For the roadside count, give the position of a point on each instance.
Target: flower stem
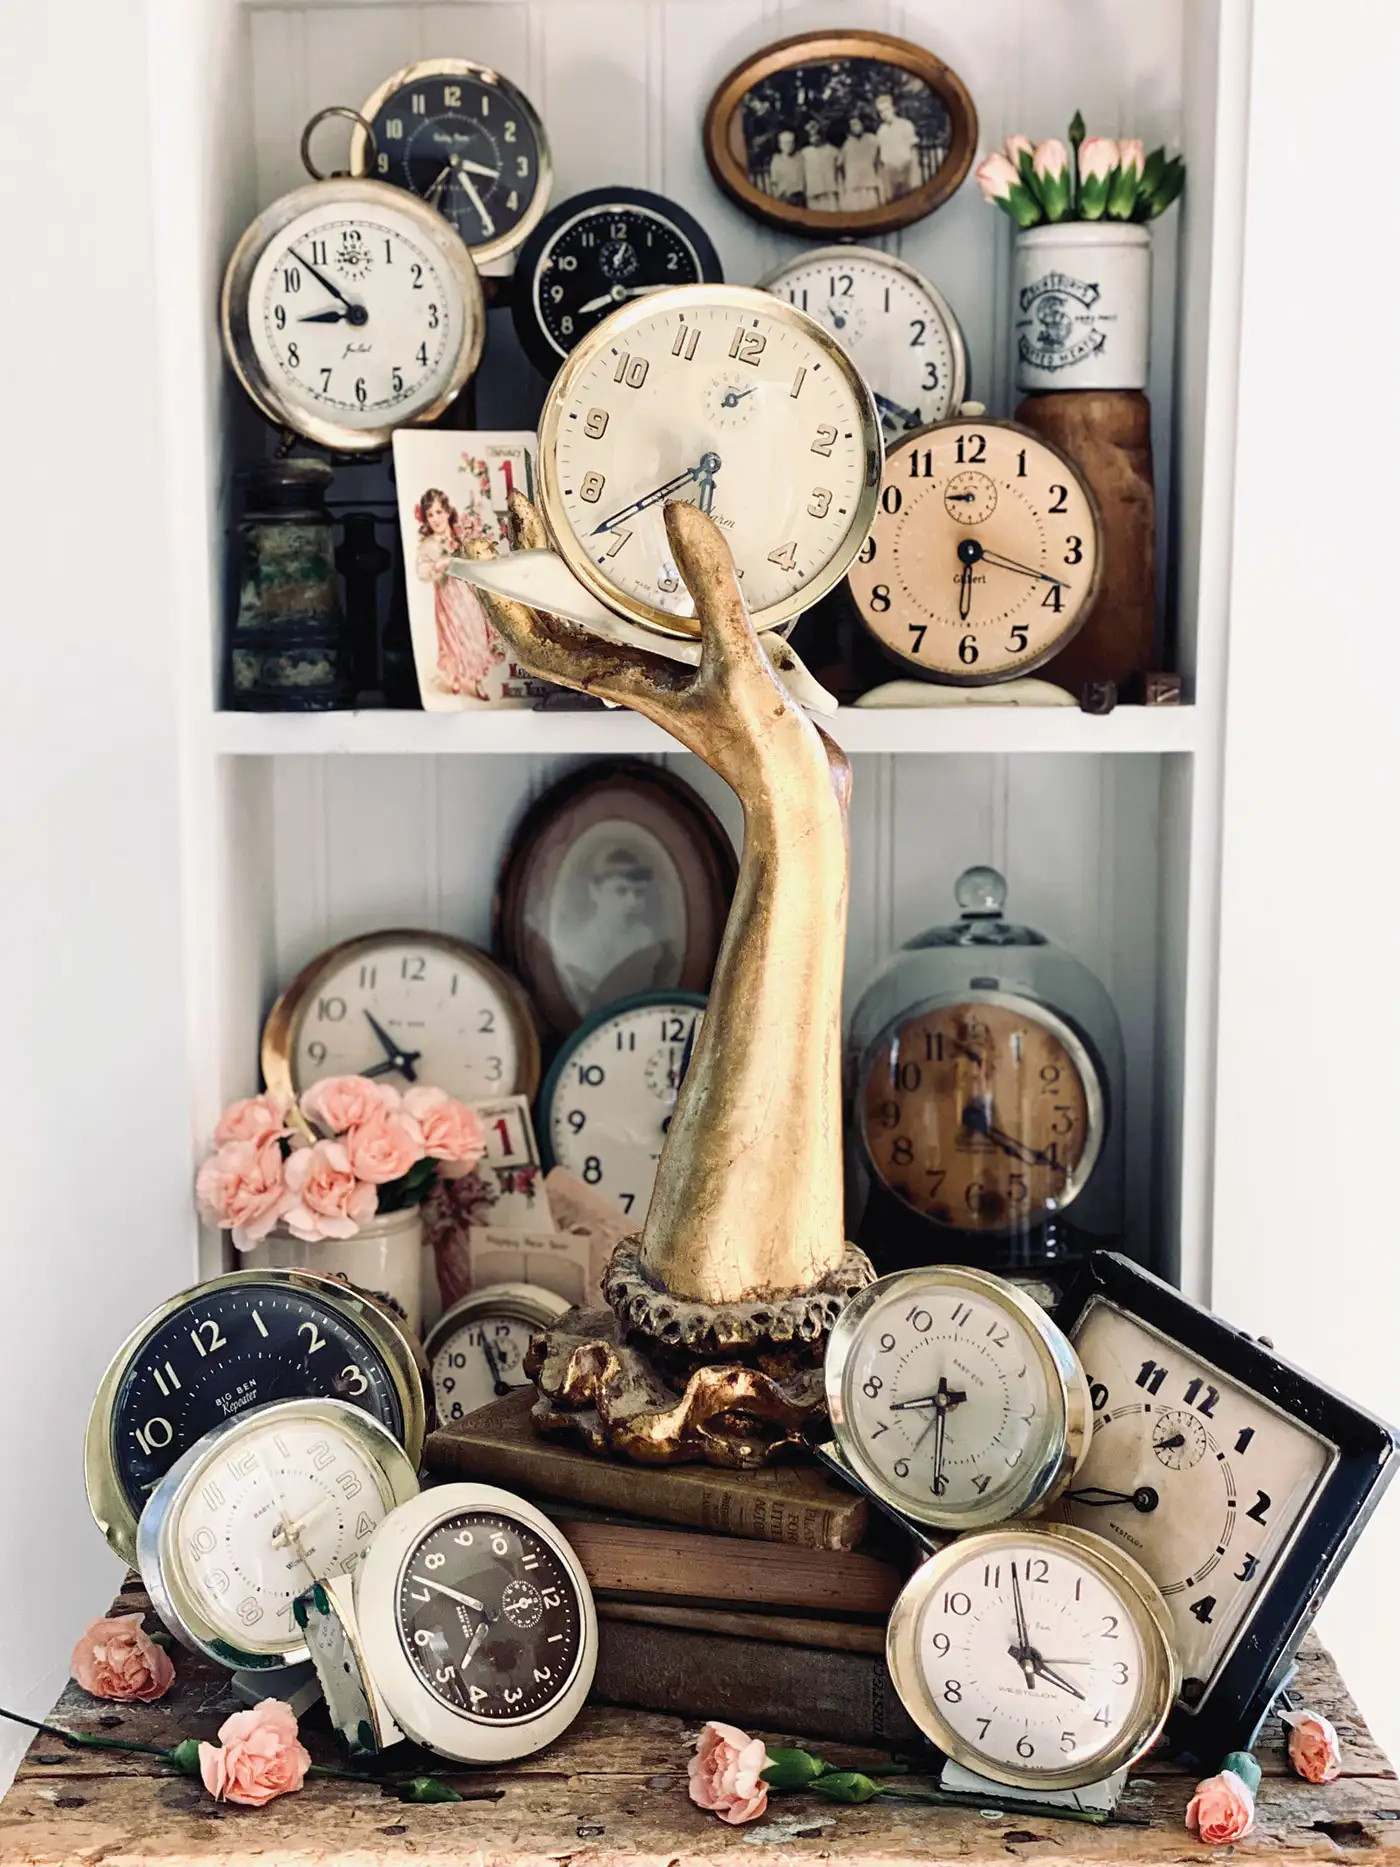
(81, 1740)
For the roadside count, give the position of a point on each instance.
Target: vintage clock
(984, 557)
(466, 141)
(408, 1006)
(605, 1109)
(350, 308)
(896, 325)
(476, 1349)
(986, 1101)
(1038, 1657)
(262, 1506)
(224, 1347)
(954, 1399)
(1238, 1482)
(595, 252)
(734, 401)
(470, 1628)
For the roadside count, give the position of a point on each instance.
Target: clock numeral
(330, 1010)
(419, 104)
(318, 253)
(166, 1380)
(421, 354)
(967, 649)
(980, 1483)
(513, 1695)
(368, 976)
(1258, 1513)
(962, 1313)
(1038, 1569)
(241, 1467)
(625, 1040)
(451, 96)
(1202, 1609)
(1101, 1716)
(626, 1200)
(353, 1380)
(592, 1170)
(1203, 1404)
(984, 1725)
(591, 487)
(293, 357)
(1098, 1395)
(866, 554)
(417, 272)
(486, 103)
(1074, 549)
(785, 557)
(487, 1022)
(998, 1336)
(630, 370)
(957, 1603)
(918, 630)
(820, 503)
(591, 1074)
(320, 1454)
(930, 375)
(921, 463)
(202, 1543)
(250, 1611)
(1060, 501)
(1150, 1376)
(500, 1543)
(522, 166)
(1017, 1189)
(902, 1151)
(1021, 464)
(413, 967)
(892, 500)
(826, 439)
(291, 279)
(1054, 598)
(880, 598)
(1242, 1443)
(543, 1674)
(348, 1484)
(619, 540)
(747, 346)
(921, 1320)
(361, 393)
(317, 1341)
(279, 316)
(909, 1076)
(840, 285)
(216, 1338)
(1245, 1572)
(901, 1468)
(1024, 1747)
(872, 1386)
(595, 423)
(1020, 639)
(917, 327)
(576, 1120)
(393, 128)
(972, 448)
(797, 383)
(433, 317)
(381, 162)
(685, 342)
(510, 138)
(325, 381)
(991, 1575)
(318, 1054)
(155, 1435)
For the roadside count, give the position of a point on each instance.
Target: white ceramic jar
(1082, 308)
(384, 1258)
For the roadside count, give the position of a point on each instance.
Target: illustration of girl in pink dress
(467, 647)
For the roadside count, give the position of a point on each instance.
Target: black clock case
(1261, 1663)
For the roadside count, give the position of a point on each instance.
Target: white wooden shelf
(859, 729)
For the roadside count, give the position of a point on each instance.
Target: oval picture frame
(618, 881)
(744, 126)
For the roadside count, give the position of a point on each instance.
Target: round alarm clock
(350, 308)
(984, 557)
(1037, 1657)
(607, 1101)
(260, 1508)
(408, 1006)
(894, 322)
(729, 399)
(466, 141)
(954, 1399)
(472, 1629)
(595, 252)
(476, 1349)
(224, 1347)
(987, 1072)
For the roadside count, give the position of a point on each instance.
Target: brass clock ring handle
(352, 116)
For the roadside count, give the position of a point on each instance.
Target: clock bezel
(107, 1500)
(422, 1715)
(1141, 1600)
(267, 395)
(1259, 1659)
(173, 1595)
(1065, 1433)
(944, 677)
(535, 340)
(618, 324)
(282, 1028)
(423, 68)
(877, 257)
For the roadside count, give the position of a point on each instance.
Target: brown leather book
(794, 1504)
(791, 1630)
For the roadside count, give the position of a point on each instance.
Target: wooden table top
(612, 1793)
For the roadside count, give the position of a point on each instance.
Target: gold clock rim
(644, 310)
(891, 262)
(157, 1548)
(529, 1303)
(282, 1026)
(487, 74)
(1091, 1075)
(235, 325)
(1066, 1383)
(1152, 1624)
(107, 1500)
(940, 677)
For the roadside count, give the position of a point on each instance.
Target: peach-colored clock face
(978, 1116)
(984, 555)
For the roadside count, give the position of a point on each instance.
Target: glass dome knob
(981, 890)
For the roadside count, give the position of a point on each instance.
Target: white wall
(94, 1145)
(1308, 1106)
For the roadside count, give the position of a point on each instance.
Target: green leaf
(792, 1769)
(423, 1789)
(847, 1786)
(185, 1756)
(1173, 180)
(1243, 1764)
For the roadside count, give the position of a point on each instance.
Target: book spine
(798, 1691)
(726, 1508)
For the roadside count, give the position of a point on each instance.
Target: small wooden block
(1098, 696)
(1161, 690)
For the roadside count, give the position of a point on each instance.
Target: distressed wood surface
(611, 1793)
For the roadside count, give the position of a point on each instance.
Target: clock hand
(617, 295)
(1169, 1445)
(441, 1588)
(976, 1119)
(971, 551)
(483, 1629)
(324, 317)
(433, 193)
(291, 1532)
(355, 313)
(733, 397)
(965, 591)
(907, 417)
(1144, 1499)
(488, 226)
(502, 1387)
(940, 1429)
(401, 1060)
(1022, 1650)
(708, 466)
(1044, 1671)
(945, 1398)
(287, 1535)
(478, 168)
(962, 499)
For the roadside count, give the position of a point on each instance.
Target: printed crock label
(1059, 325)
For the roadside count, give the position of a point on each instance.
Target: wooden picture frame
(618, 881)
(771, 134)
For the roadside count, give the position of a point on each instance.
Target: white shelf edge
(858, 729)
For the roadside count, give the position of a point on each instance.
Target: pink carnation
(342, 1102)
(1098, 158)
(255, 1118)
(1130, 154)
(327, 1199)
(726, 1773)
(1313, 1746)
(243, 1187)
(116, 1658)
(261, 1756)
(1222, 1809)
(384, 1147)
(451, 1130)
(996, 177)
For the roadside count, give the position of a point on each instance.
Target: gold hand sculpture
(743, 1247)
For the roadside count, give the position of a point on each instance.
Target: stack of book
(755, 1597)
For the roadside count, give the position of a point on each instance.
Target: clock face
(1200, 1480)
(477, 1349)
(490, 1617)
(608, 1104)
(895, 325)
(412, 1007)
(1037, 1663)
(984, 1114)
(354, 315)
(275, 1506)
(597, 252)
(725, 398)
(231, 1347)
(468, 143)
(984, 557)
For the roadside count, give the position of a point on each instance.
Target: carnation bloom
(258, 1756)
(327, 1200)
(255, 1118)
(384, 1148)
(451, 1131)
(1222, 1809)
(116, 1658)
(1051, 160)
(1098, 158)
(243, 1187)
(726, 1773)
(996, 177)
(1314, 1749)
(1019, 150)
(341, 1102)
